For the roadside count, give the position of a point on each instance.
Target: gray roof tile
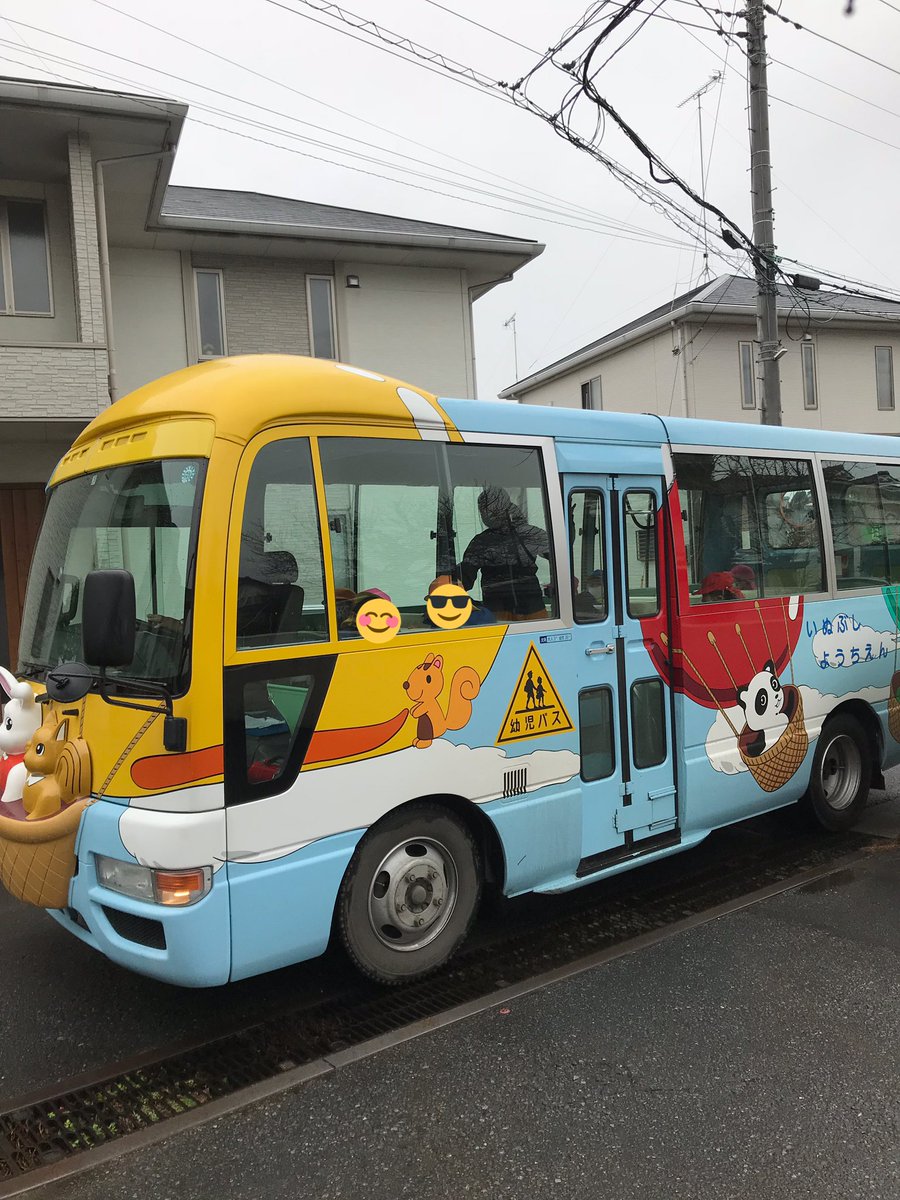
(250, 207)
(728, 290)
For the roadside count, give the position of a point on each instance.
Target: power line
(664, 204)
(486, 28)
(832, 121)
(822, 37)
(599, 226)
(590, 221)
(516, 185)
(834, 87)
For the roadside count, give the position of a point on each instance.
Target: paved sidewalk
(753, 1058)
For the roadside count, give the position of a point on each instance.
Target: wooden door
(21, 509)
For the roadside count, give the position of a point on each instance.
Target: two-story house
(696, 357)
(110, 277)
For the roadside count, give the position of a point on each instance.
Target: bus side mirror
(109, 618)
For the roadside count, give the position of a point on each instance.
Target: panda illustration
(762, 701)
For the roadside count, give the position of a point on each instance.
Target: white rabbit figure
(21, 718)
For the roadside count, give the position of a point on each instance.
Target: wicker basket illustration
(37, 858)
(774, 767)
(893, 708)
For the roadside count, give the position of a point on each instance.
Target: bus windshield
(141, 517)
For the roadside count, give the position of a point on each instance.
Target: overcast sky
(837, 188)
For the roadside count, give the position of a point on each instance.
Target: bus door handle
(592, 650)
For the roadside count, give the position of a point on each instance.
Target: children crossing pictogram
(535, 708)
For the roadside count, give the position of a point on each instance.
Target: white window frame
(309, 320)
(892, 398)
(201, 357)
(6, 259)
(747, 347)
(808, 351)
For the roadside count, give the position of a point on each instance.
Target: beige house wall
(410, 322)
(703, 379)
(148, 315)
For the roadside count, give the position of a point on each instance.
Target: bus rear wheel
(839, 782)
(410, 894)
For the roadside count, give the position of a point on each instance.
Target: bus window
(864, 506)
(648, 723)
(641, 582)
(280, 576)
(595, 720)
(501, 529)
(402, 513)
(751, 526)
(586, 537)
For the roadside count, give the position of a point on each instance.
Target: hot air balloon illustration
(892, 600)
(729, 664)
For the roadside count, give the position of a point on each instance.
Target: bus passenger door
(624, 711)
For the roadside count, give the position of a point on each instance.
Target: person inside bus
(506, 554)
(719, 586)
(479, 614)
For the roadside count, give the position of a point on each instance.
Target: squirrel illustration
(424, 686)
(59, 771)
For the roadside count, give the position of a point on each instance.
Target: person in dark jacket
(506, 554)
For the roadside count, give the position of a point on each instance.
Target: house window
(320, 304)
(592, 394)
(808, 365)
(24, 259)
(748, 378)
(884, 377)
(209, 291)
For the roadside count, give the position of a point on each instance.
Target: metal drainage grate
(50, 1131)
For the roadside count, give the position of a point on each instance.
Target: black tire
(841, 771)
(406, 869)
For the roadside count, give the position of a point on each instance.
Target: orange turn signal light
(180, 887)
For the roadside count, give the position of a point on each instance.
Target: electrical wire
(831, 42)
(610, 229)
(518, 186)
(831, 121)
(590, 222)
(684, 220)
(469, 20)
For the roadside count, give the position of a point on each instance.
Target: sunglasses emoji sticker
(449, 606)
(378, 621)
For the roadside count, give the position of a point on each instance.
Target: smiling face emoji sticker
(449, 606)
(378, 621)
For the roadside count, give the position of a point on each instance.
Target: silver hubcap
(841, 772)
(413, 894)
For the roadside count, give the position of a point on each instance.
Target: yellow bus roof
(248, 393)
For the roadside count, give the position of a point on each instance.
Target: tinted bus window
(639, 531)
(586, 538)
(751, 526)
(402, 514)
(864, 507)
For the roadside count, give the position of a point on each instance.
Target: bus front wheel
(839, 782)
(410, 894)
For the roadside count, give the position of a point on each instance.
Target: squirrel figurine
(424, 686)
(59, 771)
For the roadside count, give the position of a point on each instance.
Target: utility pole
(506, 325)
(701, 91)
(770, 349)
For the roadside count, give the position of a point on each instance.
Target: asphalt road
(752, 1058)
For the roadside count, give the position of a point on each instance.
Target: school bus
(308, 650)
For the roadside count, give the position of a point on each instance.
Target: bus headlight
(172, 888)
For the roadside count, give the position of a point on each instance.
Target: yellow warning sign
(535, 708)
